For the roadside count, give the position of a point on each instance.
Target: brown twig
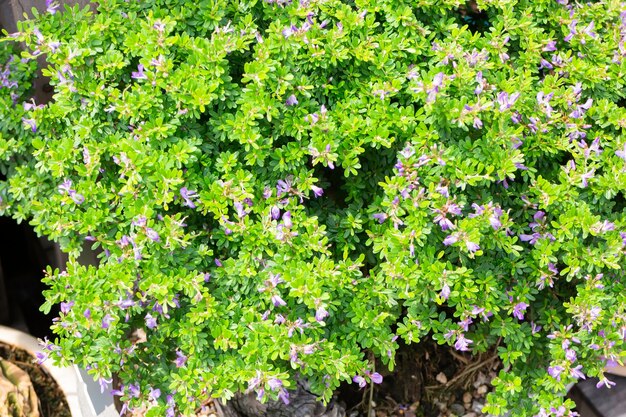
(459, 357)
(471, 368)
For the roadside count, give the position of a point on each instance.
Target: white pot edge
(65, 377)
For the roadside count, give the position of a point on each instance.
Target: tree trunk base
(302, 403)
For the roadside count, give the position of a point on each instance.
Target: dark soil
(429, 381)
(52, 402)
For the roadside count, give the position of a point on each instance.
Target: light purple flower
(66, 307)
(360, 380)
(570, 355)
(291, 100)
(180, 360)
(106, 321)
(381, 217)
(275, 384)
(139, 74)
(154, 393)
(451, 239)
(550, 46)
(505, 101)
(312, 118)
(606, 382)
(445, 291)
(133, 390)
(278, 301)
(321, 314)
(462, 343)
(151, 322)
(585, 177)
(41, 357)
(287, 219)
(545, 64)
(152, 234)
(376, 378)
(188, 195)
(283, 395)
(31, 123)
(519, 309)
(555, 372)
(471, 246)
(51, 6)
(317, 191)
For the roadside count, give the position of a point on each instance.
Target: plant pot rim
(65, 377)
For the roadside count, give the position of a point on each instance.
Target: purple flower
(87, 313)
(41, 357)
(151, 322)
(65, 307)
(451, 239)
(283, 395)
(287, 219)
(278, 301)
(77, 198)
(462, 343)
(321, 314)
(545, 64)
(519, 309)
(154, 393)
(104, 383)
(360, 380)
(180, 360)
(275, 212)
(570, 355)
(187, 195)
(31, 123)
(376, 378)
(471, 246)
(284, 186)
(133, 390)
(288, 31)
(481, 83)
(381, 217)
(445, 292)
(218, 263)
(555, 372)
(139, 74)
(586, 177)
(51, 6)
(152, 235)
(106, 321)
(532, 239)
(606, 382)
(550, 46)
(291, 100)
(505, 101)
(312, 118)
(275, 384)
(317, 191)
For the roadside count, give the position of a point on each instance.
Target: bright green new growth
(473, 170)
(17, 395)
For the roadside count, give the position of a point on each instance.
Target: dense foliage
(281, 188)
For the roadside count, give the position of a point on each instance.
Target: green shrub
(281, 187)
